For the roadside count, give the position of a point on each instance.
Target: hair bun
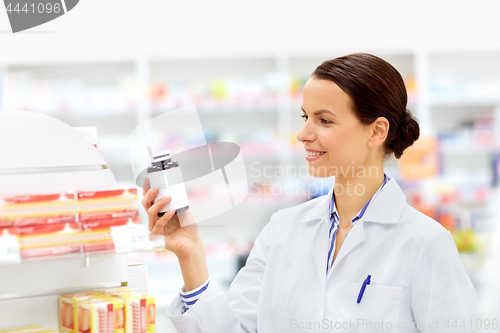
(408, 132)
(406, 122)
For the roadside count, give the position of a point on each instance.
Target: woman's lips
(310, 156)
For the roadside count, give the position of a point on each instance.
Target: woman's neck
(352, 193)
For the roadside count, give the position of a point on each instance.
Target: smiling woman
(359, 255)
(352, 97)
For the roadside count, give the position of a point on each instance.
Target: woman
(358, 259)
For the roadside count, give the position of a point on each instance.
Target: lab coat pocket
(379, 305)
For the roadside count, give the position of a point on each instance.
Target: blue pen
(362, 291)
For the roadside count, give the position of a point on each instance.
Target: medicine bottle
(165, 174)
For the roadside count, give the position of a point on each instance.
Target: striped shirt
(334, 220)
(190, 297)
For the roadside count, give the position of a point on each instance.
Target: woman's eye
(325, 121)
(304, 116)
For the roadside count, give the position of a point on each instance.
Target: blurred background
(244, 67)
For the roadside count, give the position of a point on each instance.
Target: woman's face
(332, 131)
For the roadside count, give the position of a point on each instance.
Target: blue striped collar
(359, 215)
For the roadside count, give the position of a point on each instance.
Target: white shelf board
(469, 150)
(55, 181)
(38, 311)
(226, 110)
(464, 48)
(465, 102)
(89, 115)
(202, 70)
(42, 278)
(184, 56)
(66, 59)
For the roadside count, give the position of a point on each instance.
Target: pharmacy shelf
(462, 84)
(29, 292)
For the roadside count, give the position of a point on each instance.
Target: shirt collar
(385, 208)
(359, 215)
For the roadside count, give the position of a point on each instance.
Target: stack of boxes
(116, 310)
(61, 223)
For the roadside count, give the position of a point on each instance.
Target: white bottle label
(178, 193)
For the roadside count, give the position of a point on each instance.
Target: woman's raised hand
(182, 241)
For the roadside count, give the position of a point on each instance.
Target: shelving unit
(462, 99)
(30, 291)
(44, 155)
(257, 93)
(464, 93)
(258, 89)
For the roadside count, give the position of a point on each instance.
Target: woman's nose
(306, 133)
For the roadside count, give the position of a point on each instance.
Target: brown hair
(377, 90)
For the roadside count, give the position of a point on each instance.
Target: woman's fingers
(157, 206)
(149, 197)
(154, 209)
(159, 226)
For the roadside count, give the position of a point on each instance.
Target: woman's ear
(378, 132)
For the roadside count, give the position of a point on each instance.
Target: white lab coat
(416, 276)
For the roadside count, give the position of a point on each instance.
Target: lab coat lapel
(386, 208)
(320, 247)
(318, 219)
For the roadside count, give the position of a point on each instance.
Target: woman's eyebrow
(320, 112)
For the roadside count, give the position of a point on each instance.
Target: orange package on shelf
(21, 210)
(118, 310)
(5, 231)
(99, 205)
(52, 239)
(140, 310)
(67, 310)
(100, 314)
(103, 228)
(421, 161)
